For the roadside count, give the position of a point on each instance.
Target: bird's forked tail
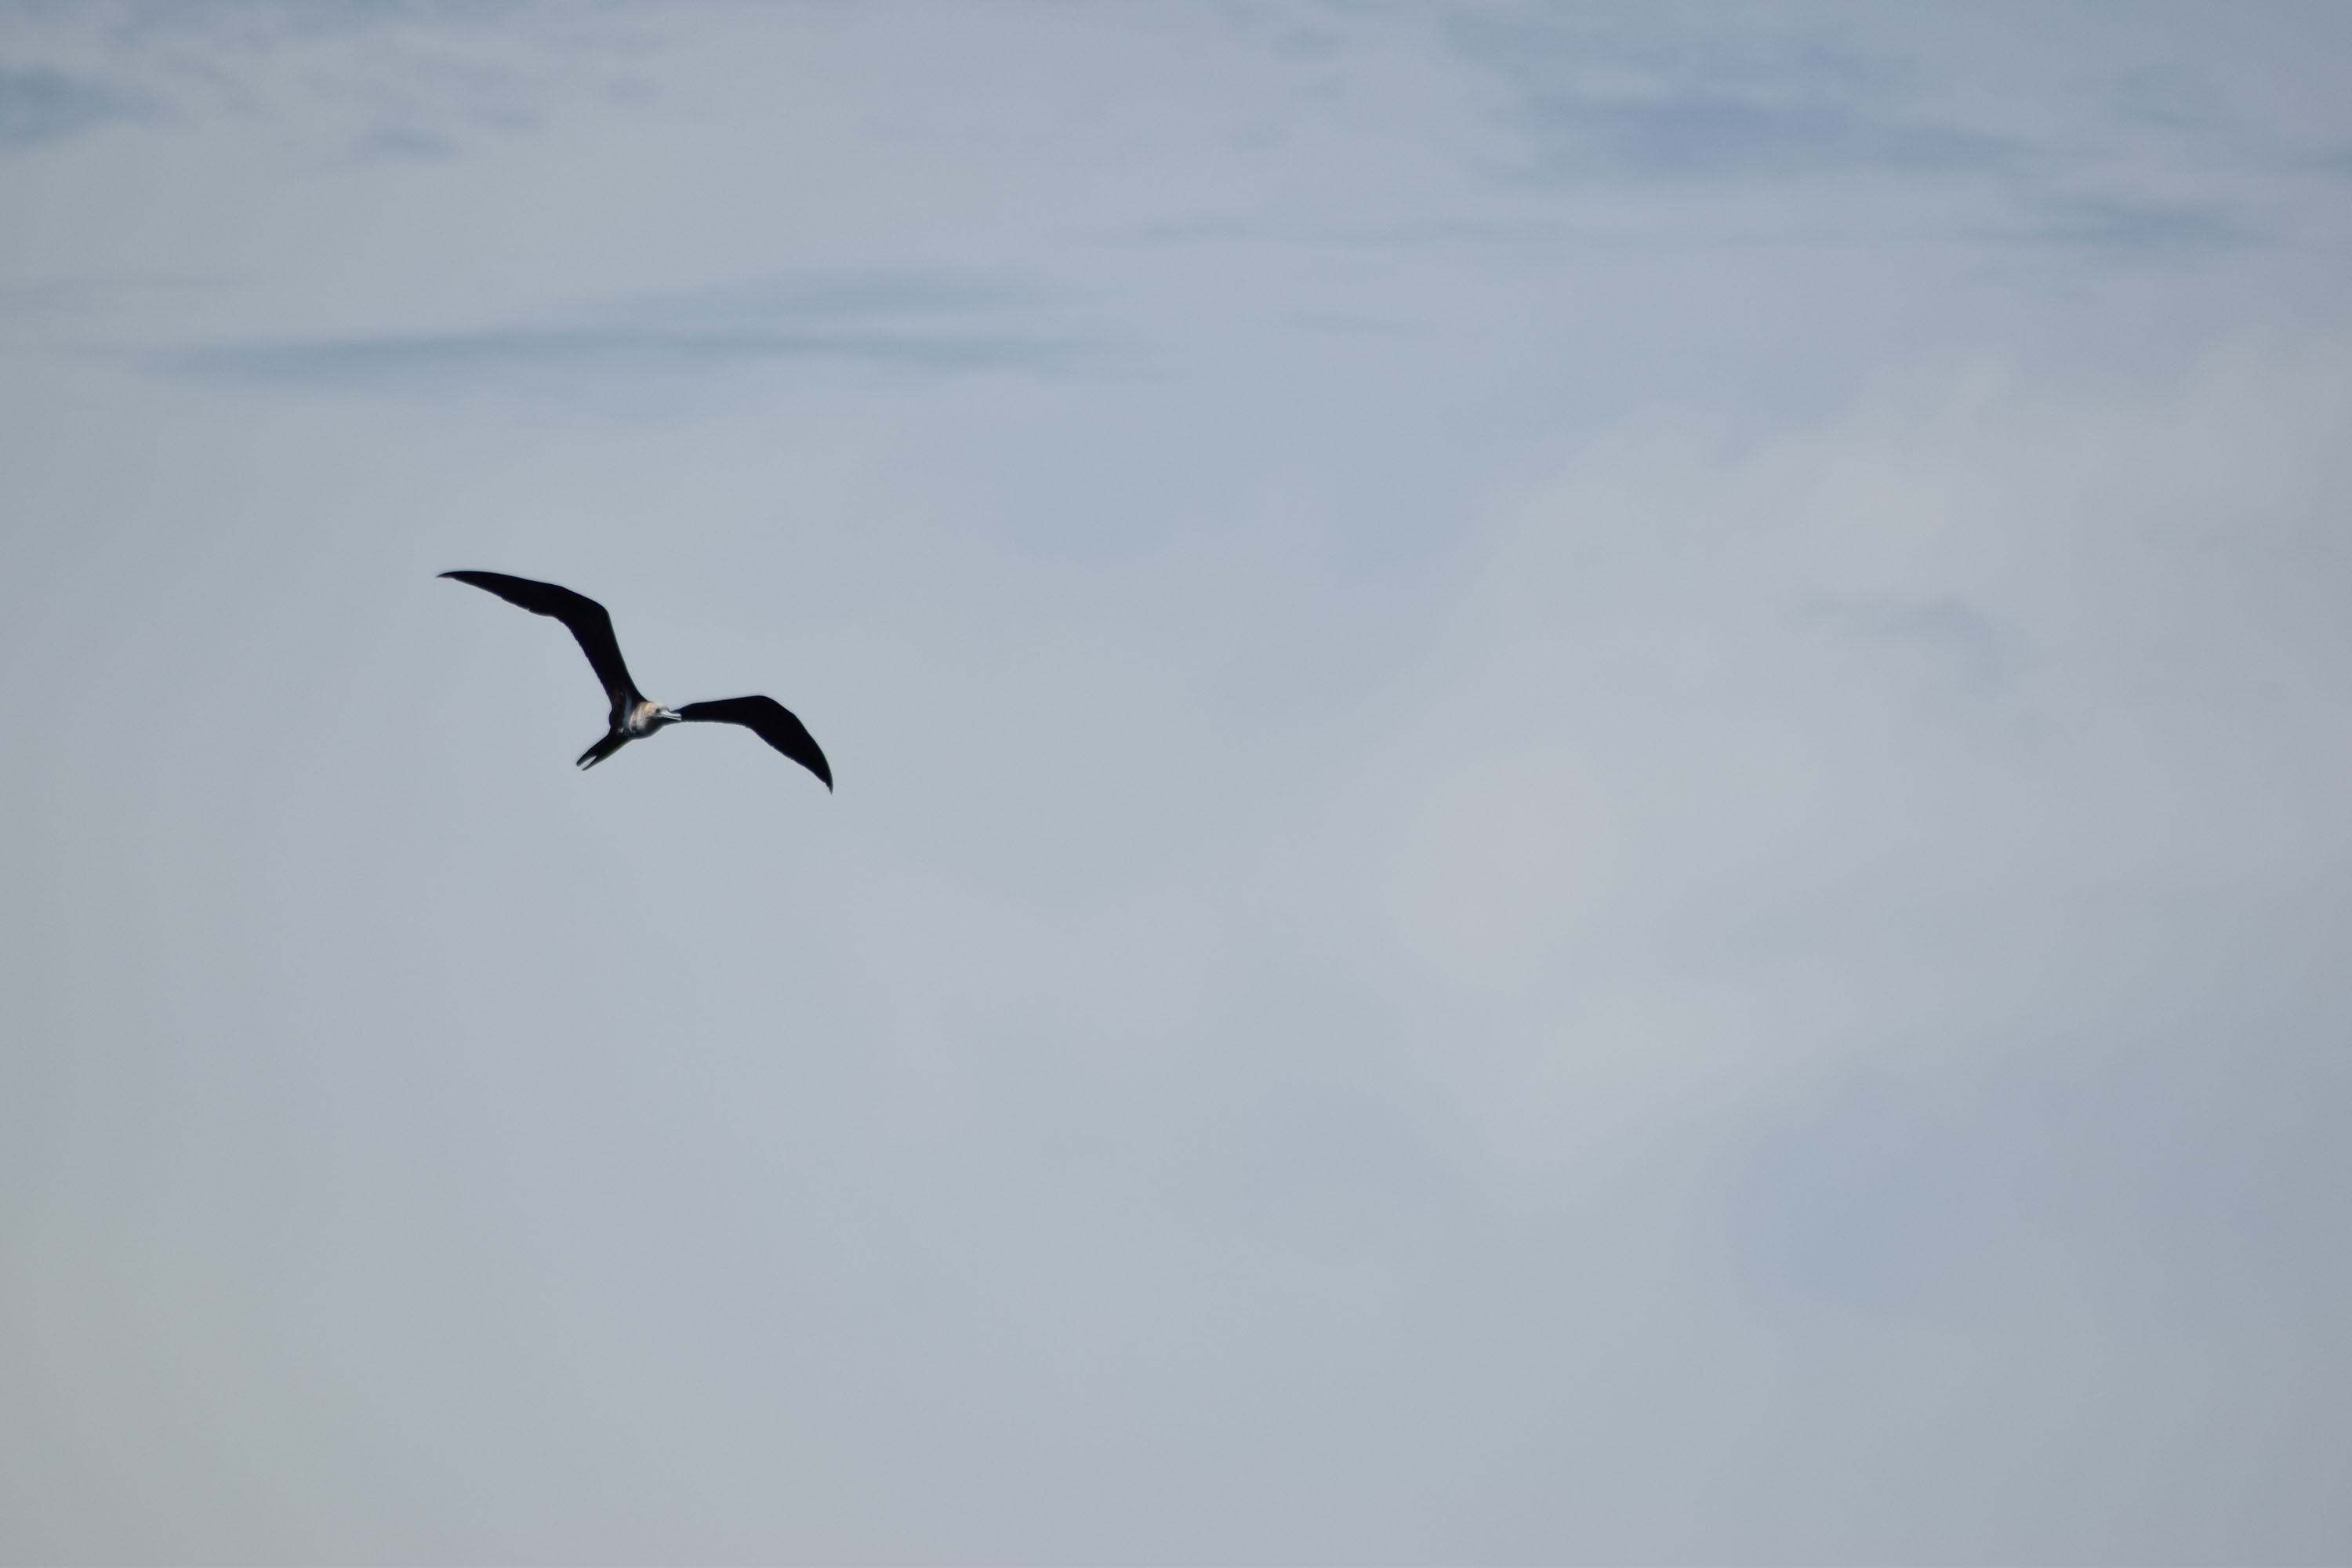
(602, 749)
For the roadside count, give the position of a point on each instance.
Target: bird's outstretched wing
(588, 620)
(771, 720)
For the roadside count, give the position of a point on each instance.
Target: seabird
(634, 716)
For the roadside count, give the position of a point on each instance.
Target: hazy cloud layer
(884, 319)
(38, 106)
(607, 351)
(1704, 107)
(1592, 776)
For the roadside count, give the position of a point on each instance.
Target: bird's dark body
(633, 716)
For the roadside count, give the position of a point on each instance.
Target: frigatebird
(634, 717)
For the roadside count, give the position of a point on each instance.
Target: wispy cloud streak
(1606, 109)
(354, 361)
(40, 106)
(887, 319)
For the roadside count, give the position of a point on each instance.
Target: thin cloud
(1956, 641)
(899, 320)
(40, 106)
(33, 302)
(1605, 110)
(2122, 224)
(355, 361)
(1682, 116)
(366, 81)
(1706, 136)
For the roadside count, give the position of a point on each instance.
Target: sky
(1591, 767)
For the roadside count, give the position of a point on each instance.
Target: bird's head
(648, 716)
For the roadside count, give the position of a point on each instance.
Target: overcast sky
(1594, 770)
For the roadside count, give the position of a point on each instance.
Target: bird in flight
(634, 717)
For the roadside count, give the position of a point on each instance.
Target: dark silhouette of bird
(634, 716)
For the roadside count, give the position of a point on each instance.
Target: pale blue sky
(1592, 781)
